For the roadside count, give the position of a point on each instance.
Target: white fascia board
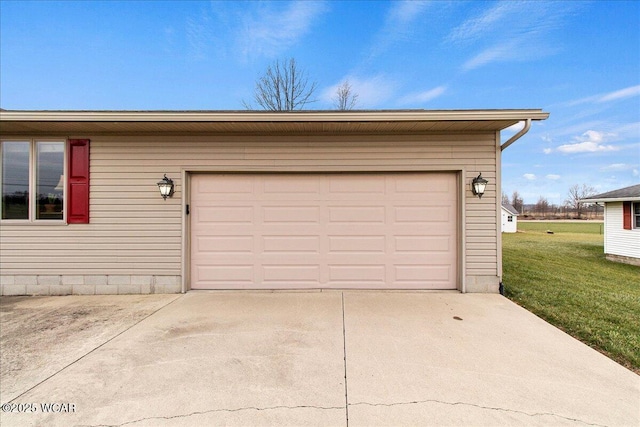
(619, 199)
(252, 116)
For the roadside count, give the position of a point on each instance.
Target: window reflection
(15, 179)
(49, 180)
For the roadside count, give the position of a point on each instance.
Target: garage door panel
(228, 274)
(357, 186)
(421, 229)
(230, 260)
(358, 244)
(224, 244)
(233, 184)
(236, 214)
(291, 214)
(357, 229)
(357, 214)
(291, 273)
(341, 274)
(324, 231)
(408, 185)
(284, 185)
(414, 260)
(411, 273)
(422, 214)
(357, 258)
(422, 244)
(282, 244)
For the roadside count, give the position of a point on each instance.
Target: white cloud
(529, 176)
(199, 36)
(578, 128)
(499, 52)
(399, 24)
(585, 147)
(547, 150)
(475, 28)
(267, 31)
(422, 97)
(627, 92)
(553, 177)
(629, 130)
(595, 136)
(256, 28)
(514, 128)
(621, 167)
(406, 11)
(616, 167)
(590, 142)
(621, 94)
(513, 31)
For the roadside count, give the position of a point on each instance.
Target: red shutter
(78, 194)
(626, 215)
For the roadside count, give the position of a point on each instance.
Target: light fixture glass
(166, 187)
(478, 185)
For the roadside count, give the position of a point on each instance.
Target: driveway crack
(344, 348)
(491, 408)
(210, 411)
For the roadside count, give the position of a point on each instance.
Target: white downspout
(514, 138)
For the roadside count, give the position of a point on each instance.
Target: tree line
(570, 208)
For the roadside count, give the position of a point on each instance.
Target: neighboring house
(621, 223)
(260, 200)
(509, 218)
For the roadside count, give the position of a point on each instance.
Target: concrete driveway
(308, 358)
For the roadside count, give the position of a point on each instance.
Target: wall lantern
(166, 187)
(478, 185)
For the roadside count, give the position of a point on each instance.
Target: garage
(379, 199)
(331, 230)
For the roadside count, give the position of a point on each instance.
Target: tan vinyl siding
(134, 231)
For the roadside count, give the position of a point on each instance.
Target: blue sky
(578, 60)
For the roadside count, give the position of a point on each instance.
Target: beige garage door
(280, 231)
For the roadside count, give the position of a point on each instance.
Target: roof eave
(612, 200)
(510, 211)
(268, 116)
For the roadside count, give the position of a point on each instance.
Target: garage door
(292, 231)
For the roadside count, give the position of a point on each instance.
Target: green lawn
(565, 279)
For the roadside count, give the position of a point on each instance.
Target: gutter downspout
(514, 138)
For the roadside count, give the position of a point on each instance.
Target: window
(33, 184)
(510, 218)
(636, 215)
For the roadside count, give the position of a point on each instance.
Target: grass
(565, 279)
(586, 227)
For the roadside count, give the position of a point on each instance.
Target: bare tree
(505, 198)
(517, 202)
(345, 99)
(577, 193)
(283, 87)
(542, 206)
